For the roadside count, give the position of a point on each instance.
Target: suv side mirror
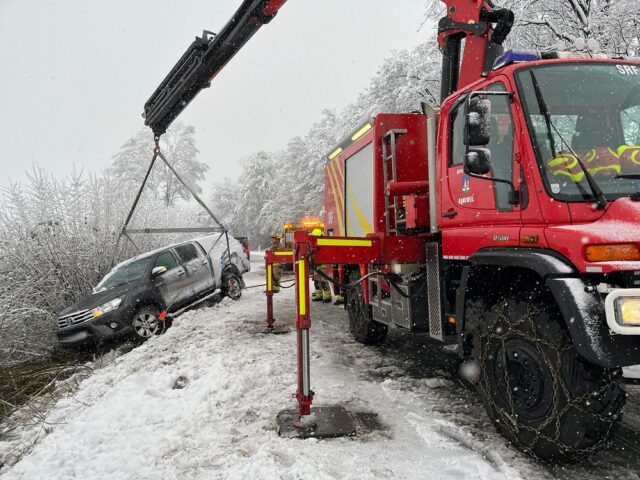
(477, 121)
(477, 161)
(157, 271)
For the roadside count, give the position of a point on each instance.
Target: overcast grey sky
(75, 74)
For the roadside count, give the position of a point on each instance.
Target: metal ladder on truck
(391, 208)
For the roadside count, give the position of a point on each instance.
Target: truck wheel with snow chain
(539, 392)
(363, 328)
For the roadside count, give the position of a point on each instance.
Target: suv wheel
(145, 323)
(232, 285)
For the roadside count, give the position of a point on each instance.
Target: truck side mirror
(157, 271)
(477, 122)
(477, 161)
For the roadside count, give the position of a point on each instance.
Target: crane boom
(472, 21)
(203, 60)
(463, 63)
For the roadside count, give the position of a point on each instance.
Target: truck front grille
(74, 318)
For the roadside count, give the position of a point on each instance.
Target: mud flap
(584, 316)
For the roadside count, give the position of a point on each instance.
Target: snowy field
(129, 421)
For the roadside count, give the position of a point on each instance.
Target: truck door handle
(180, 273)
(449, 214)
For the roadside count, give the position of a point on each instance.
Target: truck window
(165, 259)
(457, 147)
(501, 145)
(631, 125)
(187, 252)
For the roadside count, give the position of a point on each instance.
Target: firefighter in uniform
(276, 268)
(322, 291)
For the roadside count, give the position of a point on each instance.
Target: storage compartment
(392, 307)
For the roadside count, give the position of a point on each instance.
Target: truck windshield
(591, 110)
(122, 274)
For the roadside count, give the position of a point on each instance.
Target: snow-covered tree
(179, 147)
(282, 187)
(541, 24)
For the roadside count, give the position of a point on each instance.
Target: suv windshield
(122, 274)
(592, 110)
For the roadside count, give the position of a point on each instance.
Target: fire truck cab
(520, 237)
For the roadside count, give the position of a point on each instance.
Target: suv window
(165, 259)
(187, 252)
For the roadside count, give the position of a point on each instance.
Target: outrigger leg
(269, 259)
(305, 421)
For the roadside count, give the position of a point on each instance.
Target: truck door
(168, 284)
(198, 271)
(476, 213)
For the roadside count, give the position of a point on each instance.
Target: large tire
(145, 324)
(232, 285)
(362, 327)
(540, 393)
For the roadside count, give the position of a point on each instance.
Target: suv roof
(204, 240)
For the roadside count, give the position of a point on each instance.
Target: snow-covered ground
(128, 419)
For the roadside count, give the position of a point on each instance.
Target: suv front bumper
(96, 331)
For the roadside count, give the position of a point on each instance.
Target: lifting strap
(125, 232)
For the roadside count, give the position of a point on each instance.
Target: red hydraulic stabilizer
(484, 29)
(272, 257)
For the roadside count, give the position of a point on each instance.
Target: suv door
(198, 270)
(171, 282)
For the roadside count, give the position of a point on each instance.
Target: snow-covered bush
(58, 238)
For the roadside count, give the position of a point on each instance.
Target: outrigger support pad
(328, 422)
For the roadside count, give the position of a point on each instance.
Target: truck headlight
(106, 307)
(622, 309)
(628, 310)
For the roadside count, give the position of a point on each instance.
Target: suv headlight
(622, 308)
(106, 307)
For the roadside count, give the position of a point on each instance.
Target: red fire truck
(505, 221)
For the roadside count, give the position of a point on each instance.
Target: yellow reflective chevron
(365, 226)
(339, 242)
(302, 288)
(336, 194)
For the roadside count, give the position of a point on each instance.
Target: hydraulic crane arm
(473, 21)
(202, 61)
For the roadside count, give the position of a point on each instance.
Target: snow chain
(496, 332)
